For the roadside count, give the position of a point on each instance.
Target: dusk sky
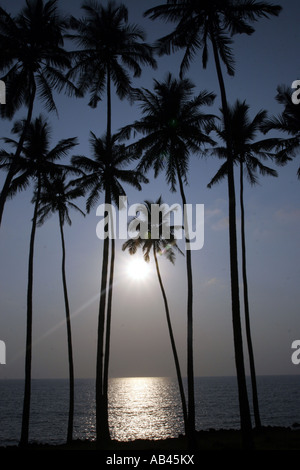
(140, 343)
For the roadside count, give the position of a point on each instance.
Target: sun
(138, 269)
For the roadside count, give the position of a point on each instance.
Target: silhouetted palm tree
(161, 245)
(247, 153)
(37, 163)
(105, 174)
(288, 122)
(110, 45)
(58, 195)
(215, 21)
(33, 61)
(173, 127)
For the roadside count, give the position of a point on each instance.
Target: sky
(140, 343)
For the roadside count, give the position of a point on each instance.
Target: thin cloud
(213, 282)
(221, 224)
(216, 217)
(288, 216)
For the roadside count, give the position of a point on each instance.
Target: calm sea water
(140, 408)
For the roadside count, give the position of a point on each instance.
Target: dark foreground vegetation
(267, 438)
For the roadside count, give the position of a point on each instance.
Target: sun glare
(138, 269)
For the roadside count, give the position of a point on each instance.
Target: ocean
(140, 408)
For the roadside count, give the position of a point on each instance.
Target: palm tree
(173, 127)
(32, 60)
(37, 163)
(247, 153)
(57, 195)
(217, 21)
(161, 245)
(110, 45)
(288, 122)
(105, 174)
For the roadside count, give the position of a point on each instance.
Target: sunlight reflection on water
(150, 407)
(144, 408)
(140, 408)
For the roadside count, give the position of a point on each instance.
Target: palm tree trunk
(108, 92)
(100, 431)
(246, 303)
(191, 425)
(177, 366)
(108, 330)
(246, 427)
(69, 335)
(103, 405)
(28, 355)
(13, 166)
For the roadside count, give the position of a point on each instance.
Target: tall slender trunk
(108, 330)
(104, 407)
(100, 430)
(14, 164)
(177, 365)
(108, 93)
(246, 304)
(245, 418)
(191, 425)
(28, 354)
(69, 335)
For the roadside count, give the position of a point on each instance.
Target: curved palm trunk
(12, 169)
(104, 397)
(28, 355)
(69, 335)
(191, 424)
(246, 303)
(108, 93)
(108, 330)
(101, 431)
(246, 426)
(177, 366)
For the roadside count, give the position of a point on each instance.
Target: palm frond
(45, 93)
(62, 148)
(107, 40)
(160, 244)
